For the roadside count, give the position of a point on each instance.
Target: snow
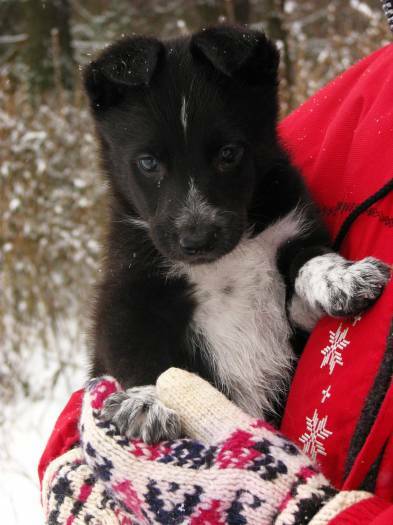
(14, 204)
(363, 8)
(29, 424)
(52, 217)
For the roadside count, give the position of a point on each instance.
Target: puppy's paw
(359, 286)
(339, 287)
(138, 413)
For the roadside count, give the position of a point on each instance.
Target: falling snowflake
(315, 434)
(332, 352)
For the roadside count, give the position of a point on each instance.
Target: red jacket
(340, 407)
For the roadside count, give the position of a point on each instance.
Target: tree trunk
(238, 11)
(242, 11)
(276, 29)
(49, 54)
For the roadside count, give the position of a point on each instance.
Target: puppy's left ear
(237, 53)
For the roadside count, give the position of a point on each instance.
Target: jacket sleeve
(355, 508)
(371, 511)
(65, 434)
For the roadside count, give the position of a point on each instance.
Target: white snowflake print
(356, 319)
(326, 393)
(332, 352)
(315, 434)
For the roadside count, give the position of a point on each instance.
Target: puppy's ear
(238, 53)
(129, 63)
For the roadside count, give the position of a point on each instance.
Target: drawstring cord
(380, 194)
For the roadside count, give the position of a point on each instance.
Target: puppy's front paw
(138, 413)
(340, 287)
(358, 287)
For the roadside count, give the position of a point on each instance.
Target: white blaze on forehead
(183, 114)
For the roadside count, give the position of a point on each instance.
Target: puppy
(215, 250)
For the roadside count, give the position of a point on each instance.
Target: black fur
(225, 81)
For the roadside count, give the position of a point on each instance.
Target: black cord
(380, 194)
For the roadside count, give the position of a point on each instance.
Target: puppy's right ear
(129, 63)
(237, 53)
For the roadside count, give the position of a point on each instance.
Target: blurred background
(52, 203)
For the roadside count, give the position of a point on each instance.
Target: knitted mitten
(235, 469)
(239, 471)
(72, 495)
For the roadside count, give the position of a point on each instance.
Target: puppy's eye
(149, 164)
(230, 155)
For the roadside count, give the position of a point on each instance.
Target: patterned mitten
(236, 469)
(233, 469)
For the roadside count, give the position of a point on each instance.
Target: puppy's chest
(235, 292)
(239, 323)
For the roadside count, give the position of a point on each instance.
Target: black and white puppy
(215, 249)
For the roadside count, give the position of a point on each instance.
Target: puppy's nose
(201, 240)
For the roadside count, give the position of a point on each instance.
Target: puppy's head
(185, 126)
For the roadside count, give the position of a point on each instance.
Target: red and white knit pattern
(235, 469)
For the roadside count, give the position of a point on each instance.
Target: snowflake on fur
(316, 433)
(332, 352)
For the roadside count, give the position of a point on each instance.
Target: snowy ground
(24, 438)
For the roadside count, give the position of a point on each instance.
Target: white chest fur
(240, 320)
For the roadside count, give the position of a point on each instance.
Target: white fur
(240, 320)
(302, 314)
(196, 209)
(138, 413)
(339, 287)
(311, 283)
(183, 114)
(140, 223)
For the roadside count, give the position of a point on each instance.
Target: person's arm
(232, 467)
